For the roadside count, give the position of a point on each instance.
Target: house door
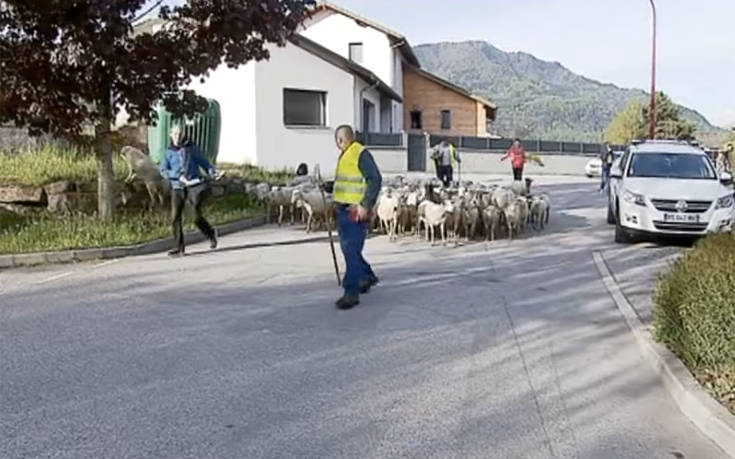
(368, 114)
(416, 153)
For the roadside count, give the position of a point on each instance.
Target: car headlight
(634, 198)
(725, 202)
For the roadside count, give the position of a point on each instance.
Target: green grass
(51, 233)
(41, 166)
(50, 164)
(257, 174)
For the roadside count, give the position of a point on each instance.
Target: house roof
(345, 64)
(396, 38)
(313, 48)
(453, 87)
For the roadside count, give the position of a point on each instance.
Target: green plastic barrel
(203, 129)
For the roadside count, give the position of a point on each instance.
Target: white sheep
(435, 215)
(539, 210)
(472, 216)
(519, 188)
(142, 167)
(502, 198)
(515, 216)
(491, 217)
(315, 205)
(261, 191)
(280, 199)
(547, 199)
(388, 214)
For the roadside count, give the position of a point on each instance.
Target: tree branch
(147, 12)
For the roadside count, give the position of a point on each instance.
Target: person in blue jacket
(182, 167)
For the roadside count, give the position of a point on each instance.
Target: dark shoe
(347, 302)
(176, 253)
(213, 241)
(367, 283)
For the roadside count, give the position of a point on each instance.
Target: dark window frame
(290, 122)
(445, 123)
(417, 115)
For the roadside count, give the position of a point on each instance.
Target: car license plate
(681, 218)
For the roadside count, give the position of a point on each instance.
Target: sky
(607, 40)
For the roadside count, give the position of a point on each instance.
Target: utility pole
(652, 109)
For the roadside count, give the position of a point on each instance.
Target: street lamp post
(652, 110)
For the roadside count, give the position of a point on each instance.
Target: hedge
(694, 314)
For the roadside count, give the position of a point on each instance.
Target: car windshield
(671, 165)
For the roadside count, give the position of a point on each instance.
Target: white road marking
(53, 278)
(71, 273)
(107, 263)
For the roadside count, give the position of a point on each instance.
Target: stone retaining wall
(67, 197)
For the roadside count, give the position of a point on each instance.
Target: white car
(594, 166)
(668, 188)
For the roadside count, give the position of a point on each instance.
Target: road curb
(108, 253)
(714, 420)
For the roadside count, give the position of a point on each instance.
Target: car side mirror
(616, 173)
(726, 178)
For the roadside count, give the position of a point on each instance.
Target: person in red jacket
(517, 156)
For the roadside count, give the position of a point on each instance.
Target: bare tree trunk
(105, 172)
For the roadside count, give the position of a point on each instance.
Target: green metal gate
(203, 129)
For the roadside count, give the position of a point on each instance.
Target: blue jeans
(352, 240)
(605, 177)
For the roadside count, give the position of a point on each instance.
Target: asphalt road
(502, 350)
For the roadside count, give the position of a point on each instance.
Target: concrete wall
(234, 89)
(484, 162)
(280, 146)
(393, 160)
(431, 98)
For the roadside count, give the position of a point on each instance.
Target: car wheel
(610, 216)
(621, 236)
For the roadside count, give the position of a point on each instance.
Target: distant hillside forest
(536, 98)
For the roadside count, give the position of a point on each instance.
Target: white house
(340, 68)
(283, 111)
(374, 46)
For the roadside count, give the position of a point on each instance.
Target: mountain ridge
(536, 98)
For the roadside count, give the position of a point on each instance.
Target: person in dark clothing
(182, 167)
(355, 190)
(302, 170)
(607, 159)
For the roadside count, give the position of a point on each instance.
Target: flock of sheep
(412, 208)
(403, 207)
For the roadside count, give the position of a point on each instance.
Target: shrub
(694, 313)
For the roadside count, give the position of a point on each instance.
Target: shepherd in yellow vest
(446, 158)
(356, 187)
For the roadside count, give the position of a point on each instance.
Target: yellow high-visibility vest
(349, 184)
(453, 152)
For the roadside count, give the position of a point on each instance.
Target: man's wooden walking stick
(319, 180)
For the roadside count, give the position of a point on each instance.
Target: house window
(446, 119)
(417, 121)
(368, 115)
(304, 108)
(356, 52)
